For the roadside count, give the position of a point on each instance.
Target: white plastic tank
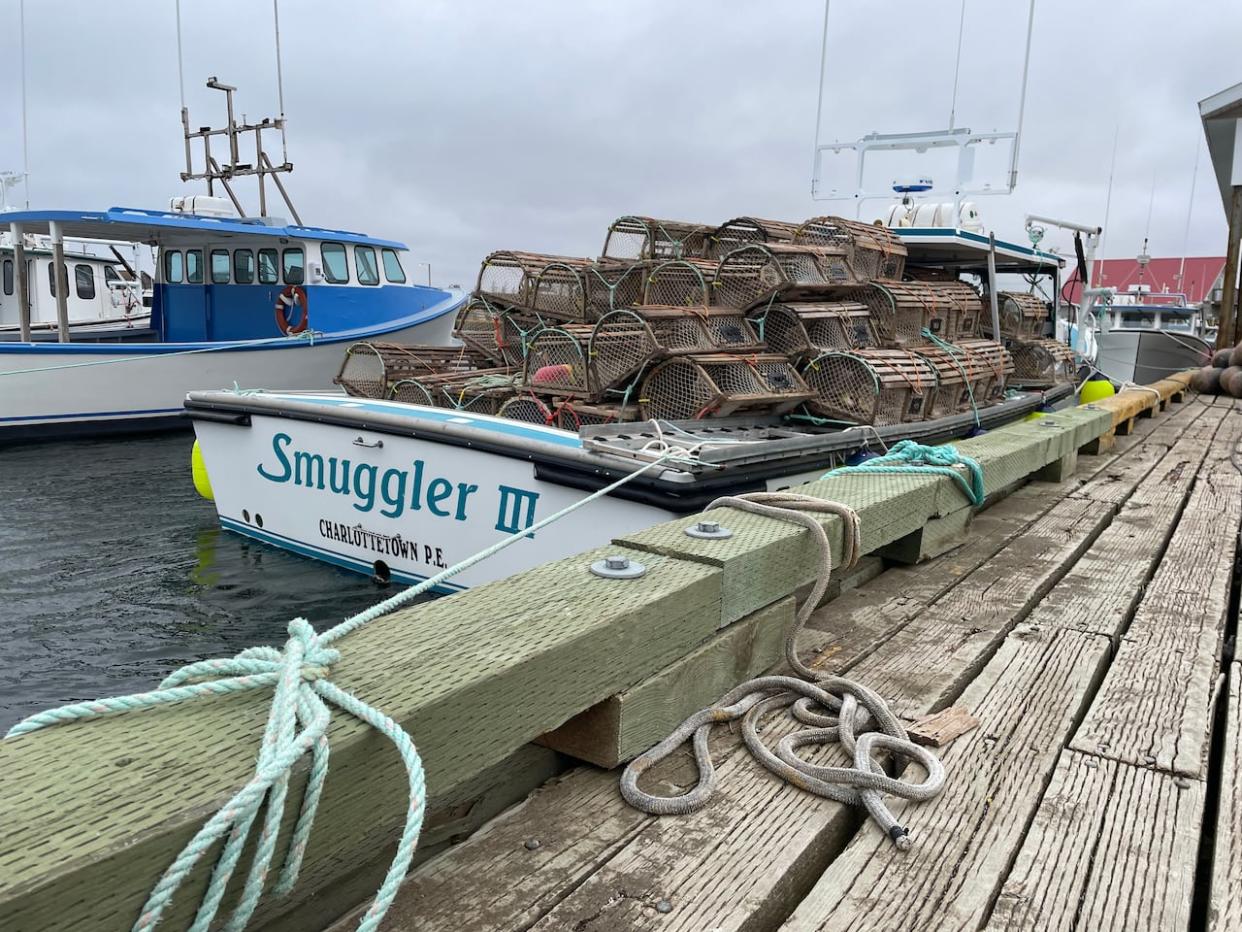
(202, 205)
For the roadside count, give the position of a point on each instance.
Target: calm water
(113, 572)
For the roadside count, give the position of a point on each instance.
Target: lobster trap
(626, 340)
(558, 361)
(871, 251)
(528, 408)
(809, 329)
(1022, 316)
(743, 231)
(720, 384)
(573, 414)
(871, 386)
(954, 388)
(481, 392)
(684, 283)
(370, 370)
(752, 274)
(902, 311)
(561, 287)
(1041, 363)
(499, 335)
(635, 238)
(989, 366)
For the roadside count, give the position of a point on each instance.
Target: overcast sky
(463, 127)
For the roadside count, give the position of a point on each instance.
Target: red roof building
(1160, 275)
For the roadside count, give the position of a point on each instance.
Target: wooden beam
(18, 236)
(1227, 331)
(60, 276)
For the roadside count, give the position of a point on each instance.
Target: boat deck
(1088, 625)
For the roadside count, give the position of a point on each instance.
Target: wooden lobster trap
(558, 361)
(626, 340)
(721, 384)
(565, 288)
(633, 238)
(500, 335)
(529, 408)
(870, 251)
(809, 329)
(574, 414)
(954, 389)
(989, 366)
(902, 311)
(1022, 316)
(479, 392)
(752, 274)
(870, 386)
(684, 283)
(1041, 363)
(742, 231)
(369, 370)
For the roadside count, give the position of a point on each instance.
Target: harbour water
(115, 572)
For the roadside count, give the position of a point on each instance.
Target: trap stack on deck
(1039, 362)
(393, 370)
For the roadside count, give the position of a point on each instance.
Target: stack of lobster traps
(441, 376)
(1039, 362)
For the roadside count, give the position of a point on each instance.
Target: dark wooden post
(1227, 334)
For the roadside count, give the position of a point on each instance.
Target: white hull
(408, 507)
(127, 387)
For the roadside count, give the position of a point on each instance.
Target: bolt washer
(617, 567)
(708, 530)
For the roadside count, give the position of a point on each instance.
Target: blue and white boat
(235, 301)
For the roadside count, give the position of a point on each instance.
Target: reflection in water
(113, 572)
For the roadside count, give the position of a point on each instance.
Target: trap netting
(558, 361)
(871, 251)
(574, 414)
(752, 274)
(1022, 316)
(565, 288)
(808, 329)
(719, 385)
(902, 311)
(634, 238)
(528, 408)
(369, 370)
(1041, 363)
(481, 392)
(989, 366)
(625, 341)
(499, 335)
(870, 386)
(954, 390)
(743, 231)
(685, 283)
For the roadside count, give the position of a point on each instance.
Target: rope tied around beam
(297, 725)
(908, 457)
(839, 709)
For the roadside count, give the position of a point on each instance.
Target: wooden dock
(1088, 625)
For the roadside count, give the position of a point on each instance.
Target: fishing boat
(1144, 336)
(236, 300)
(746, 356)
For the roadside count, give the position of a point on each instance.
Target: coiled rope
(840, 710)
(297, 725)
(909, 457)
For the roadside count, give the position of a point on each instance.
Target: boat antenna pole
(280, 87)
(957, 68)
(1190, 209)
(1026, 70)
(819, 102)
(25, 148)
(1144, 256)
(1108, 202)
(185, 114)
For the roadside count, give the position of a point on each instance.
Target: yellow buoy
(1096, 389)
(202, 482)
(1034, 416)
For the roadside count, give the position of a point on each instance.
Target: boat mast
(1190, 208)
(25, 148)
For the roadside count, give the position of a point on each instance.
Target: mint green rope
(955, 352)
(908, 457)
(297, 724)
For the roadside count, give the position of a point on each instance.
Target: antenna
(957, 65)
(1108, 200)
(25, 148)
(1190, 209)
(819, 102)
(280, 86)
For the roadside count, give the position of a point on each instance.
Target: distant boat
(235, 301)
(1144, 336)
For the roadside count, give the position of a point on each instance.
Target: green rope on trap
(955, 351)
(297, 725)
(908, 457)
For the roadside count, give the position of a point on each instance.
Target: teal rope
(908, 457)
(954, 351)
(297, 725)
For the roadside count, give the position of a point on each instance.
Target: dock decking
(1086, 623)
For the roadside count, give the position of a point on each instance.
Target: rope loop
(908, 457)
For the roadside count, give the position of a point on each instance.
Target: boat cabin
(1142, 309)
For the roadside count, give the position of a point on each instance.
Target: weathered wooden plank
(1111, 847)
(1027, 699)
(473, 678)
(623, 726)
(1225, 904)
(940, 728)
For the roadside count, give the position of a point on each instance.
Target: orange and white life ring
(293, 296)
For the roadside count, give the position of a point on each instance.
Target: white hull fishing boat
(236, 300)
(375, 484)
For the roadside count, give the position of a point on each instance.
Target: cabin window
(243, 266)
(8, 276)
(51, 277)
(194, 266)
(392, 266)
(335, 265)
(269, 267)
(111, 276)
(84, 281)
(174, 267)
(365, 265)
(1137, 320)
(219, 266)
(294, 266)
